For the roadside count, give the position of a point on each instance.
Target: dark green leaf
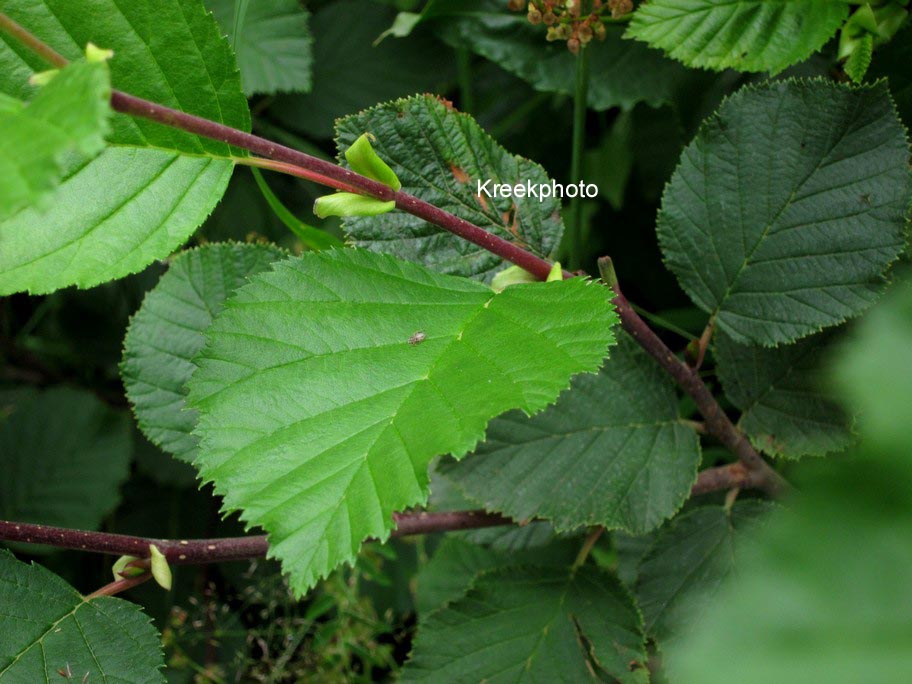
(272, 41)
(621, 72)
(786, 410)
(64, 455)
(351, 72)
(442, 156)
(533, 625)
(787, 208)
(682, 571)
(613, 451)
(46, 626)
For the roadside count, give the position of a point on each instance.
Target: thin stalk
(464, 75)
(587, 547)
(575, 236)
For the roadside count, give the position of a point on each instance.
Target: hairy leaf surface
(748, 35)
(785, 408)
(440, 155)
(533, 625)
(46, 626)
(787, 208)
(613, 451)
(688, 561)
(64, 122)
(319, 413)
(64, 456)
(150, 189)
(272, 41)
(169, 330)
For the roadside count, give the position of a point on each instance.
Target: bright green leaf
(272, 41)
(748, 35)
(622, 72)
(64, 123)
(153, 186)
(787, 208)
(562, 627)
(786, 410)
(319, 418)
(351, 204)
(682, 571)
(168, 331)
(442, 156)
(65, 455)
(46, 626)
(612, 451)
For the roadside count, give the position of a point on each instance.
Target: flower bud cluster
(567, 20)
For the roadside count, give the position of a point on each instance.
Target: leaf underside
(787, 208)
(169, 330)
(153, 186)
(64, 123)
(319, 413)
(748, 35)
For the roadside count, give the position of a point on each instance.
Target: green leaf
(168, 331)
(64, 455)
(748, 35)
(562, 627)
(351, 72)
(613, 451)
(682, 571)
(622, 72)
(65, 122)
(860, 58)
(272, 41)
(319, 419)
(149, 190)
(787, 208)
(47, 626)
(456, 563)
(786, 410)
(441, 156)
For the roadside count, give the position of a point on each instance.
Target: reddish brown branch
(196, 551)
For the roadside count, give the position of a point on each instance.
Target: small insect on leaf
(417, 338)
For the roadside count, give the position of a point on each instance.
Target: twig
(196, 551)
